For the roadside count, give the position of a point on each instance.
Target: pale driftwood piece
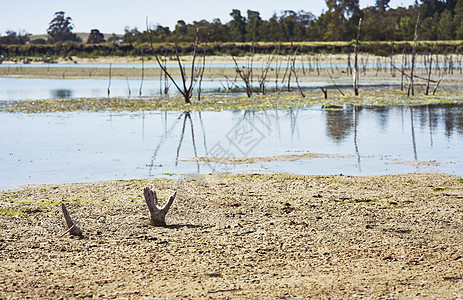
(72, 228)
(157, 213)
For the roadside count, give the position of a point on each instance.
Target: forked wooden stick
(157, 213)
(72, 228)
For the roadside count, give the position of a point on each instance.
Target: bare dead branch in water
(410, 86)
(437, 85)
(429, 75)
(325, 91)
(356, 67)
(201, 70)
(335, 85)
(293, 70)
(109, 83)
(187, 90)
(263, 77)
(142, 74)
(246, 73)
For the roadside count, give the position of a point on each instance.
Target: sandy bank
(238, 236)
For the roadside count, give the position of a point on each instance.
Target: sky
(113, 16)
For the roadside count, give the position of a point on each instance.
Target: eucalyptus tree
(60, 29)
(237, 26)
(95, 37)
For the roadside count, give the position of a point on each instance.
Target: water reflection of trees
(355, 122)
(61, 93)
(433, 115)
(339, 122)
(186, 116)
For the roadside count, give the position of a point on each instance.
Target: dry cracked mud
(238, 236)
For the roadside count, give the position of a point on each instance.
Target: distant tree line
(15, 38)
(440, 20)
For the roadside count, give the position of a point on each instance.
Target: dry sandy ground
(238, 236)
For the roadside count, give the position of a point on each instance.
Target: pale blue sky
(114, 15)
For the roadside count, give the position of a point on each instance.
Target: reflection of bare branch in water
(143, 125)
(413, 133)
(186, 115)
(192, 136)
(164, 137)
(277, 122)
(293, 119)
(355, 117)
(182, 135)
(430, 124)
(204, 133)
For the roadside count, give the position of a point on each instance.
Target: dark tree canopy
(382, 4)
(440, 20)
(237, 26)
(344, 7)
(15, 38)
(95, 37)
(60, 29)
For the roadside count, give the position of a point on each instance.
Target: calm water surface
(13, 89)
(94, 146)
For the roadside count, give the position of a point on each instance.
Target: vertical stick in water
(109, 84)
(142, 74)
(356, 66)
(410, 86)
(429, 75)
(402, 76)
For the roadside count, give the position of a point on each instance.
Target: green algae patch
(219, 102)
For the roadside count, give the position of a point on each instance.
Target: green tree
(288, 25)
(113, 38)
(407, 28)
(377, 25)
(132, 35)
(342, 18)
(428, 28)
(60, 29)
(430, 7)
(458, 20)
(15, 38)
(181, 29)
(345, 7)
(237, 26)
(382, 4)
(217, 31)
(445, 29)
(95, 37)
(271, 30)
(254, 22)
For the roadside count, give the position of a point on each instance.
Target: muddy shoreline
(238, 236)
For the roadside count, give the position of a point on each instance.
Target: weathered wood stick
(157, 213)
(72, 228)
(67, 231)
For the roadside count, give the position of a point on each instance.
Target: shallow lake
(94, 146)
(307, 64)
(12, 89)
